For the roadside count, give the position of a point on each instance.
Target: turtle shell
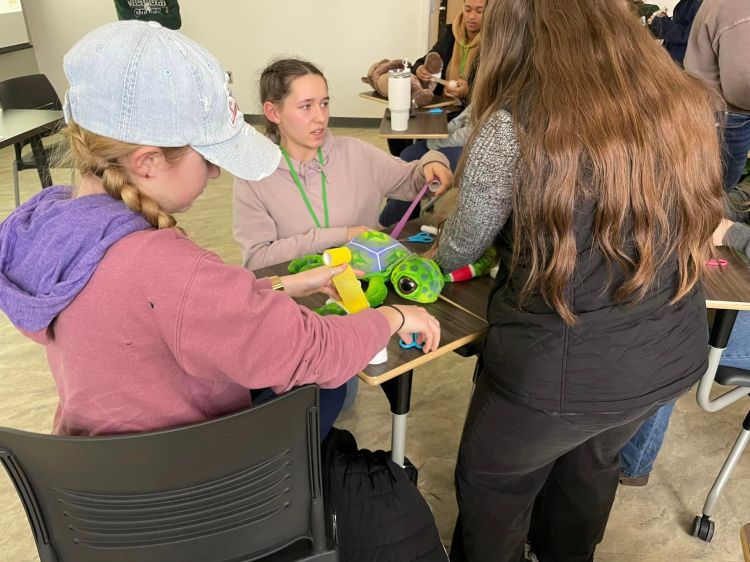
(376, 252)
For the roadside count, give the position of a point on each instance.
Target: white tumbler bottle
(399, 98)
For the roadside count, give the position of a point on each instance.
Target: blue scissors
(413, 344)
(421, 238)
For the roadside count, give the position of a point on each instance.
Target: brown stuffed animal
(421, 92)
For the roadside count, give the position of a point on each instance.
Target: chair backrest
(233, 488)
(28, 92)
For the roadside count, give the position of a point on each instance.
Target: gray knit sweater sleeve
(485, 196)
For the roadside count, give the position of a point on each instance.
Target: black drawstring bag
(373, 506)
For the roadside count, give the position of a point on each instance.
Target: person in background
(458, 47)
(166, 12)
(718, 52)
(597, 317)
(675, 30)
(734, 232)
(327, 189)
(144, 329)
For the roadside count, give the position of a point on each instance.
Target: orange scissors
(717, 262)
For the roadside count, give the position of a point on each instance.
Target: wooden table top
(423, 125)
(726, 288)
(458, 327)
(437, 101)
(17, 125)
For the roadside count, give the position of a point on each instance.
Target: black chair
(30, 92)
(703, 526)
(246, 486)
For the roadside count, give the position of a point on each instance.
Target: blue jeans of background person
(395, 209)
(736, 146)
(331, 400)
(419, 149)
(737, 353)
(352, 386)
(638, 455)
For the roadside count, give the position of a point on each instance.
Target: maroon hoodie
(165, 334)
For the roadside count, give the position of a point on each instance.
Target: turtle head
(417, 279)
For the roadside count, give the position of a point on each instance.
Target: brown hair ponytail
(603, 116)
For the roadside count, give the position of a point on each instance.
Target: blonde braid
(90, 153)
(114, 181)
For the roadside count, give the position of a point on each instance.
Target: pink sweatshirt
(272, 223)
(166, 334)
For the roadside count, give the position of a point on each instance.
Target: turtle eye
(407, 285)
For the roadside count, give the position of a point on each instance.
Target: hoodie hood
(50, 247)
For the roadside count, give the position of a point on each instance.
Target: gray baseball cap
(142, 83)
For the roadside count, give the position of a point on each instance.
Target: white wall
(12, 29)
(17, 63)
(344, 37)
(668, 4)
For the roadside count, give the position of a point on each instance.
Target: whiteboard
(12, 24)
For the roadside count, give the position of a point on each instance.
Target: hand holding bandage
(352, 296)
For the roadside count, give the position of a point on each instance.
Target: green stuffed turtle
(384, 259)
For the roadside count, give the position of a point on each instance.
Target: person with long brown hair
(603, 221)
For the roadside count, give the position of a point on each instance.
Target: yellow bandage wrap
(352, 296)
(337, 256)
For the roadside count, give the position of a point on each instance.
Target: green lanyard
(295, 177)
(462, 60)
(464, 49)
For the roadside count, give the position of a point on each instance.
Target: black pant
(526, 474)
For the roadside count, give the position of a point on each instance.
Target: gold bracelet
(276, 283)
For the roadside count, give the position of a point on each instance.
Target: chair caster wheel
(703, 528)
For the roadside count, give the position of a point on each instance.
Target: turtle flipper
(305, 262)
(376, 291)
(331, 308)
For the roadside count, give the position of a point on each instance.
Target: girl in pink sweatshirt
(144, 329)
(326, 189)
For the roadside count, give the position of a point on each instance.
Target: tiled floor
(647, 524)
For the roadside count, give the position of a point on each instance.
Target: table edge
(421, 359)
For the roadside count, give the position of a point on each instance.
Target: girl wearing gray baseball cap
(144, 329)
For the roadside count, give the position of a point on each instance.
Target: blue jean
(736, 145)
(395, 209)
(331, 400)
(737, 353)
(419, 149)
(352, 386)
(638, 455)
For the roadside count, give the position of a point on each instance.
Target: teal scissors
(413, 344)
(421, 238)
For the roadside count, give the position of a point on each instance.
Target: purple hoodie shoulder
(50, 247)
